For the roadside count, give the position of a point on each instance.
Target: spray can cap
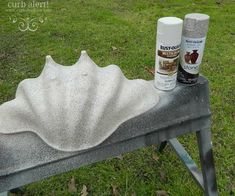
(195, 25)
(169, 30)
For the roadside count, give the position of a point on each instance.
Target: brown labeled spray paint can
(169, 32)
(193, 40)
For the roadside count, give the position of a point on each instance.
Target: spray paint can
(195, 28)
(169, 32)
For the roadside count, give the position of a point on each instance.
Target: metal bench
(25, 158)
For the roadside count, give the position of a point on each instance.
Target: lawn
(123, 33)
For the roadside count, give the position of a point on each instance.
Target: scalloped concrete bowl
(76, 107)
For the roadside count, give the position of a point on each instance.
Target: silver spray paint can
(195, 28)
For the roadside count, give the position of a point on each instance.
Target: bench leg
(161, 147)
(4, 194)
(187, 161)
(207, 179)
(207, 161)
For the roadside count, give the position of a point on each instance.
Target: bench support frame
(207, 178)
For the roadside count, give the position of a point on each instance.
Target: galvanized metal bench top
(26, 158)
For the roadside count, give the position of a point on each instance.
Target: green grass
(130, 26)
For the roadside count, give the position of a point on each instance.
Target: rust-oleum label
(191, 54)
(167, 58)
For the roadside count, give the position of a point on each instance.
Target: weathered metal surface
(25, 158)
